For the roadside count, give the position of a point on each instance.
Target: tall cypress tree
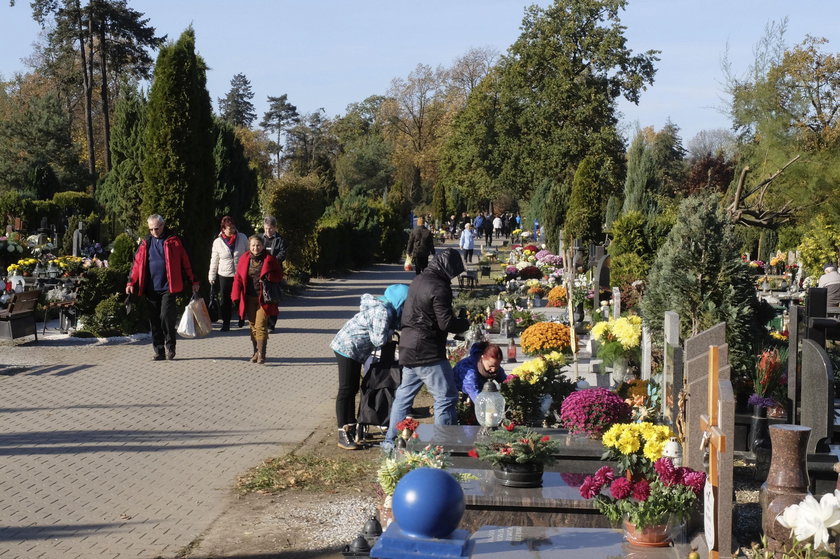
(236, 181)
(120, 192)
(177, 167)
(584, 217)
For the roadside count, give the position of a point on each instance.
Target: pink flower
(604, 475)
(590, 488)
(667, 473)
(694, 480)
(620, 488)
(641, 490)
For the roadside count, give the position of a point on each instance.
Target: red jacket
(177, 265)
(271, 270)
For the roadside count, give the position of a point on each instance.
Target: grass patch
(310, 473)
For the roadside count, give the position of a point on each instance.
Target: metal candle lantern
(489, 407)
(53, 271)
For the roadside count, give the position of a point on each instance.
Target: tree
(277, 119)
(470, 69)
(583, 220)
(312, 148)
(699, 274)
(177, 177)
(554, 102)
(236, 107)
(120, 192)
(236, 182)
(106, 35)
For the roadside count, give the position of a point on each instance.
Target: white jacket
(222, 262)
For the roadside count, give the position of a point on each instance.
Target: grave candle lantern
(489, 407)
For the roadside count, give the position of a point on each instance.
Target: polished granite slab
(556, 503)
(522, 542)
(460, 439)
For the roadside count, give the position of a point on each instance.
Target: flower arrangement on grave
(534, 288)
(769, 378)
(69, 265)
(641, 396)
(529, 271)
(558, 297)
(635, 446)
(536, 387)
(757, 266)
(393, 468)
(10, 244)
(620, 338)
(780, 336)
(592, 411)
(516, 233)
(645, 502)
(545, 337)
(811, 524)
(533, 249)
(407, 428)
(23, 267)
(516, 445)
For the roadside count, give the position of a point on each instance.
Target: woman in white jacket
(467, 242)
(228, 247)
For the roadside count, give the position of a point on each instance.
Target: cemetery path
(104, 453)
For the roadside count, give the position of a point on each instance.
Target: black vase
(759, 438)
(519, 475)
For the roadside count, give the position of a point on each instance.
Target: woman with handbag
(227, 249)
(257, 275)
(370, 328)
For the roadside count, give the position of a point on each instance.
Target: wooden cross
(716, 440)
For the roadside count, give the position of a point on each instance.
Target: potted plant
(536, 387)
(769, 383)
(619, 340)
(545, 337)
(592, 411)
(558, 297)
(517, 454)
(645, 490)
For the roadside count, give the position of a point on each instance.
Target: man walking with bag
(160, 265)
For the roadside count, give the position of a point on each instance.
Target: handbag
(407, 266)
(213, 306)
(271, 292)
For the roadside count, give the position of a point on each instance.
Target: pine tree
(583, 220)
(178, 176)
(120, 192)
(236, 107)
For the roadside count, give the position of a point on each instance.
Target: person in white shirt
(467, 242)
(497, 226)
(831, 281)
(228, 247)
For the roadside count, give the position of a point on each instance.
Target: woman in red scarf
(227, 249)
(256, 266)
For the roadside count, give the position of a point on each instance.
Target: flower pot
(619, 370)
(759, 439)
(650, 536)
(519, 475)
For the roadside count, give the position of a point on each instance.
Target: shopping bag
(407, 266)
(186, 328)
(203, 324)
(213, 306)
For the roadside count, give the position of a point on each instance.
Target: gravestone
(646, 353)
(818, 396)
(601, 277)
(718, 426)
(696, 375)
(793, 387)
(672, 370)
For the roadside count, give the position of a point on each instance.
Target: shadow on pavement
(55, 531)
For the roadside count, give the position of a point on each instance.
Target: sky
(330, 53)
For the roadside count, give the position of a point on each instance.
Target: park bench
(18, 320)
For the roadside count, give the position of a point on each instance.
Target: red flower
(473, 453)
(506, 450)
(603, 476)
(590, 488)
(668, 475)
(620, 488)
(545, 439)
(641, 490)
(510, 426)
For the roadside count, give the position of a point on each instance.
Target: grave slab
(523, 542)
(556, 503)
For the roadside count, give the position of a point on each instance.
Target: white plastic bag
(203, 324)
(186, 328)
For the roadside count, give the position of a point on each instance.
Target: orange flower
(545, 337)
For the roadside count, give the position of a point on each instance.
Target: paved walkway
(104, 453)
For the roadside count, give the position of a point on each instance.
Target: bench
(18, 320)
(468, 279)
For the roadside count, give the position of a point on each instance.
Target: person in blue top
(484, 362)
(369, 329)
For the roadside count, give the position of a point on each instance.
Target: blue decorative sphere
(428, 503)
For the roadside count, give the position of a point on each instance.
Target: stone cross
(616, 296)
(672, 370)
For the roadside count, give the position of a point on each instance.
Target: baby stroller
(382, 377)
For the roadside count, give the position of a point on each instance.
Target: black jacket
(420, 242)
(276, 247)
(427, 315)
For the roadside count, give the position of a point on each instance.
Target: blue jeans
(440, 380)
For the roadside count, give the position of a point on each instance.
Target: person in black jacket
(420, 246)
(427, 319)
(276, 247)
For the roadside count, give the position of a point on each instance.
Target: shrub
(628, 234)
(592, 411)
(821, 244)
(297, 203)
(122, 252)
(110, 318)
(627, 268)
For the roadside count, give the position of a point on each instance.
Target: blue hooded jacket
(372, 326)
(467, 377)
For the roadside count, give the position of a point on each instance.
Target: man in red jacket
(160, 265)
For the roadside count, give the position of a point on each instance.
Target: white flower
(812, 518)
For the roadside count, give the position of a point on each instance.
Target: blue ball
(428, 503)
